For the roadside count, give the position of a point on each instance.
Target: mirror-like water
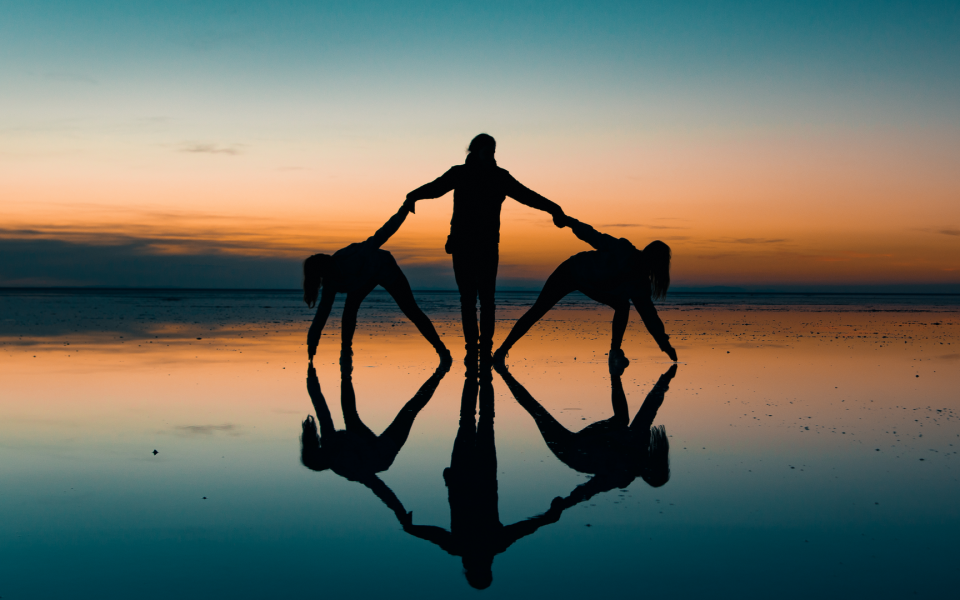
(803, 445)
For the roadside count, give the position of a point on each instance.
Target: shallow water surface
(812, 449)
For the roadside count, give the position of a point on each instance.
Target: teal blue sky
(511, 60)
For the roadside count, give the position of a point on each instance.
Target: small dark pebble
(155, 453)
(588, 524)
(204, 497)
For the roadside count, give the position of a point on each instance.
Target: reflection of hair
(656, 471)
(311, 454)
(657, 255)
(478, 571)
(314, 268)
(483, 142)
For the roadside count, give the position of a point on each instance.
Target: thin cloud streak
(209, 148)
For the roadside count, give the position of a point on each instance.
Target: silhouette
(614, 450)
(615, 273)
(356, 453)
(476, 533)
(356, 270)
(479, 189)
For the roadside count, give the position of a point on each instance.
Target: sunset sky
(216, 144)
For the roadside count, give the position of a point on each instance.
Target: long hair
(483, 142)
(656, 471)
(314, 269)
(657, 256)
(312, 455)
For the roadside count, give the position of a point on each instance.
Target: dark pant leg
(560, 283)
(396, 284)
(465, 272)
(487, 264)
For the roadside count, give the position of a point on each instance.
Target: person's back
(480, 189)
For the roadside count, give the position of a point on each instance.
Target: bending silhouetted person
(356, 453)
(615, 274)
(356, 270)
(614, 450)
(476, 533)
(479, 189)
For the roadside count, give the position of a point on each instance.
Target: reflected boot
(471, 357)
(445, 357)
(486, 352)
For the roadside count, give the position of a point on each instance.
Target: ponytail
(314, 268)
(657, 256)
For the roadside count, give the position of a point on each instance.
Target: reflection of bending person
(356, 453)
(614, 450)
(615, 273)
(476, 533)
(479, 189)
(356, 270)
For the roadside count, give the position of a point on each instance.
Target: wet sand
(813, 449)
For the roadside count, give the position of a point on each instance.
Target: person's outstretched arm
(651, 319)
(319, 402)
(319, 320)
(525, 195)
(389, 228)
(521, 529)
(599, 241)
(583, 492)
(436, 188)
(431, 533)
(643, 421)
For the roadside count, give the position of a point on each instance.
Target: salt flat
(812, 440)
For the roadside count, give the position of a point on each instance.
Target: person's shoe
(446, 359)
(500, 357)
(618, 361)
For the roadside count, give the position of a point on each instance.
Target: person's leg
(398, 431)
(557, 437)
(348, 404)
(396, 284)
(464, 270)
(487, 264)
(559, 284)
(348, 323)
(621, 317)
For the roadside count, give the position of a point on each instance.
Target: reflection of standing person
(479, 189)
(614, 450)
(615, 273)
(356, 453)
(356, 270)
(476, 533)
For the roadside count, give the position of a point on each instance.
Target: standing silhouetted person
(356, 453)
(615, 273)
(356, 270)
(479, 189)
(614, 450)
(476, 533)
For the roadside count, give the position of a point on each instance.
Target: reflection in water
(476, 533)
(614, 450)
(356, 453)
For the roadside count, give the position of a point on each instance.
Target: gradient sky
(217, 143)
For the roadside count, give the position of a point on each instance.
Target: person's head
(655, 470)
(478, 570)
(314, 270)
(483, 144)
(657, 257)
(312, 455)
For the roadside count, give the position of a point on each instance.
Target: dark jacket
(479, 189)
